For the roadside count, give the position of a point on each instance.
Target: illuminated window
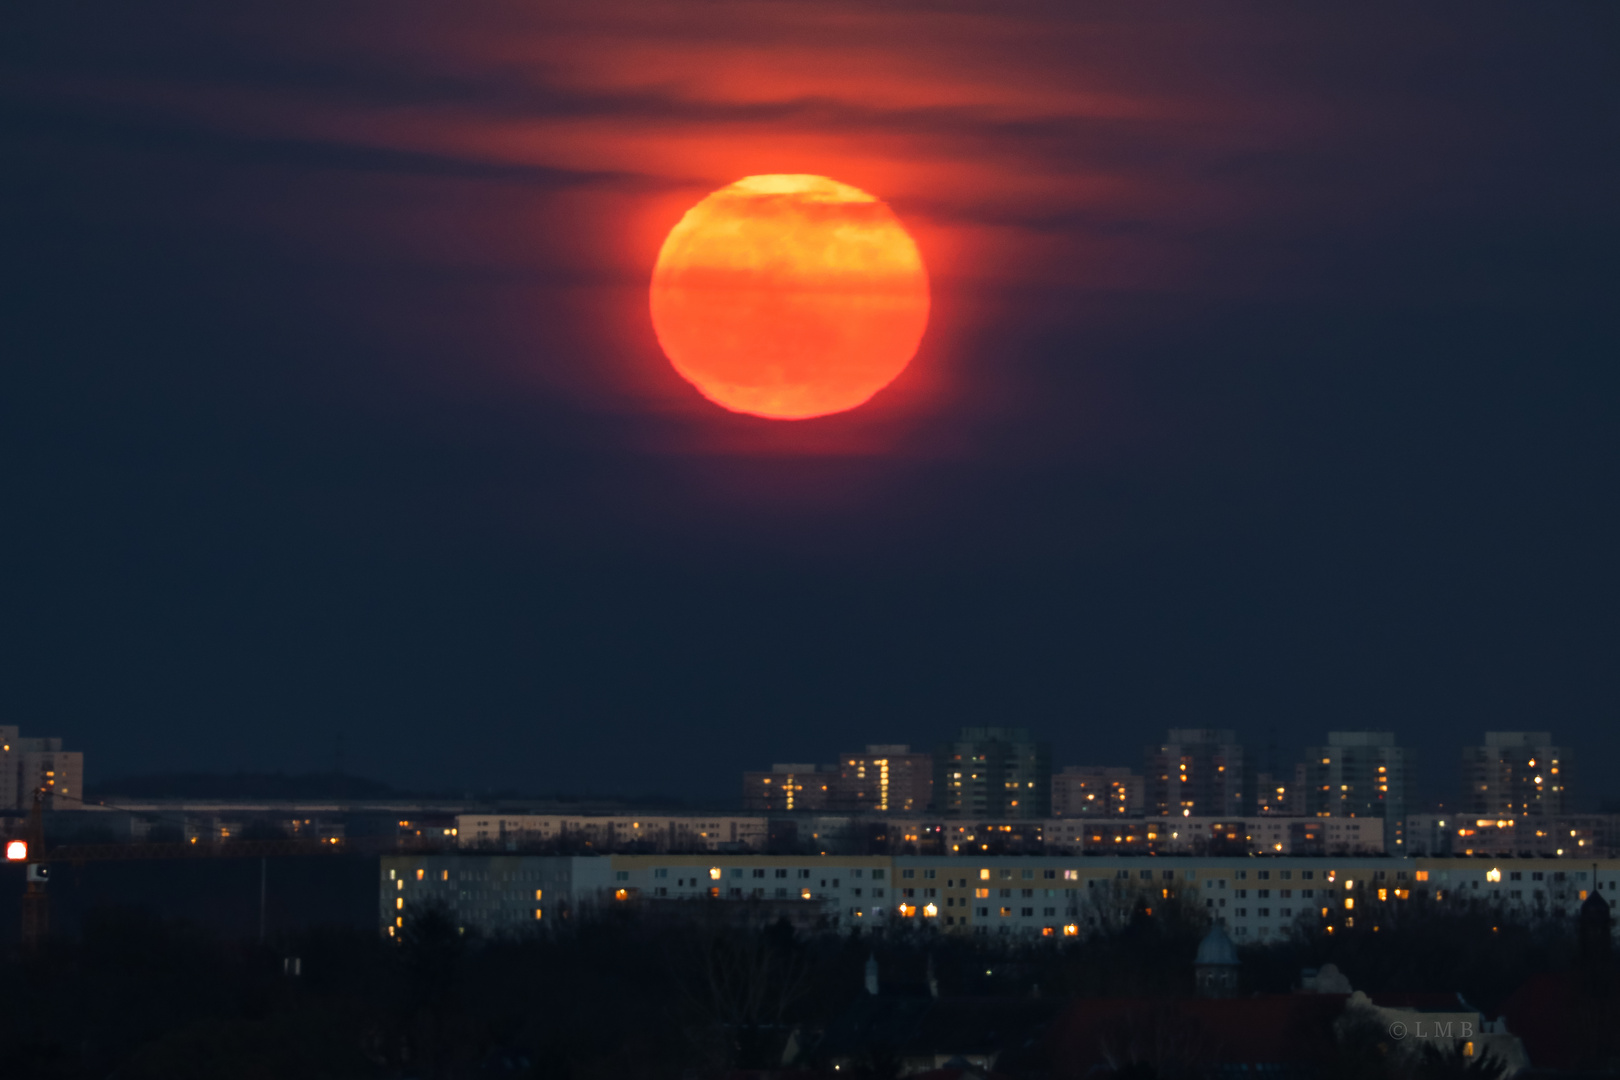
(1071, 930)
(714, 873)
(537, 913)
(420, 874)
(1423, 875)
(537, 894)
(984, 875)
(399, 902)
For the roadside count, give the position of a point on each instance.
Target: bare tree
(742, 982)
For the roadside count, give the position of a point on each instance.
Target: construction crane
(30, 850)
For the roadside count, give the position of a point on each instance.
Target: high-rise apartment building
(39, 764)
(1096, 791)
(1515, 774)
(888, 779)
(1198, 772)
(1280, 794)
(1362, 774)
(993, 772)
(788, 787)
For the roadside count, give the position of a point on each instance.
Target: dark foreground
(134, 995)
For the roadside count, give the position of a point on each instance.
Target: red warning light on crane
(16, 851)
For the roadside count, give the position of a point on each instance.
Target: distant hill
(246, 786)
(242, 785)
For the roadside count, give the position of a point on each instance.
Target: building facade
(39, 764)
(1086, 791)
(786, 788)
(611, 832)
(993, 773)
(1198, 772)
(1280, 794)
(1515, 774)
(1362, 774)
(495, 893)
(892, 834)
(1565, 836)
(1252, 835)
(1254, 899)
(883, 779)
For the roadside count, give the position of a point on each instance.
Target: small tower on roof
(1215, 970)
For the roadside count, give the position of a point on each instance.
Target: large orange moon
(789, 296)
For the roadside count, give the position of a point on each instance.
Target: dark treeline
(623, 995)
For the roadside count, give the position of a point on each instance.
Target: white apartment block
(496, 893)
(1154, 835)
(1258, 899)
(32, 764)
(1564, 835)
(848, 890)
(1208, 835)
(513, 831)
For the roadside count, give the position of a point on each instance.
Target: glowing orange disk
(789, 296)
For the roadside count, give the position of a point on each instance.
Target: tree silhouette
(1452, 1064)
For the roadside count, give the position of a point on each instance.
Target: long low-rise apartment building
(611, 832)
(1564, 835)
(854, 834)
(495, 893)
(1258, 899)
(1219, 835)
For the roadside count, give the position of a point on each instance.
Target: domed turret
(1217, 948)
(1215, 969)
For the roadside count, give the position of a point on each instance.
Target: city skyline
(1379, 767)
(1210, 771)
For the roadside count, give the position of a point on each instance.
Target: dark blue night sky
(1271, 384)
